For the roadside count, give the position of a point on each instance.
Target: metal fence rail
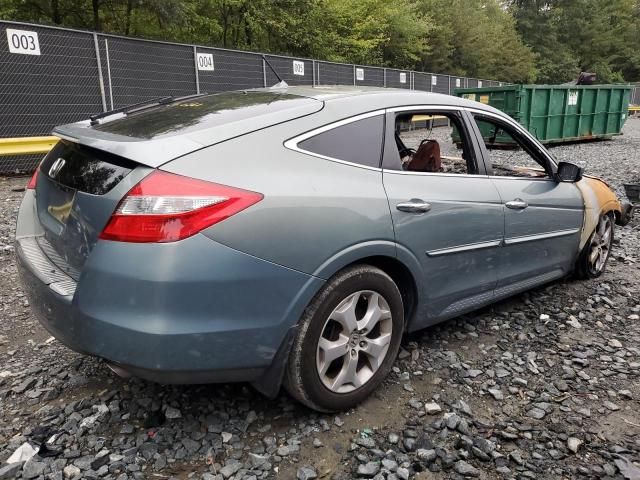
(51, 76)
(635, 95)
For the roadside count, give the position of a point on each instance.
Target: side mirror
(569, 172)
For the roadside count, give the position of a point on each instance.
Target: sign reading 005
(298, 67)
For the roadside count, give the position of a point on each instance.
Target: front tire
(347, 340)
(592, 261)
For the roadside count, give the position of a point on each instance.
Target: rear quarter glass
(357, 142)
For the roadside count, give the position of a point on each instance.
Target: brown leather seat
(427, 158)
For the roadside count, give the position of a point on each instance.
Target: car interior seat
(427, 158)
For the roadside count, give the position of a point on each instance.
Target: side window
(433, 142)
(357, 142)
(509, 155)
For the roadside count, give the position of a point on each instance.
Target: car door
(451, 219)
(543, 217)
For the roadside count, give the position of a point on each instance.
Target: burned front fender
(598, 198)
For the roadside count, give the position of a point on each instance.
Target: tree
(538, 23)
(375, 32)
(602, 36)
(548, 41)
(476, 38)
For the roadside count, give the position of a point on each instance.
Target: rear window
(84, 169)
(202, 112)
(356, 142)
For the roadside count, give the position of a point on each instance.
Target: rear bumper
(193, 311)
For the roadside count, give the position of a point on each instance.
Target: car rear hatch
(84, 177)
(74, 200)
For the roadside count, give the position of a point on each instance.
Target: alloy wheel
(354, 341)
(600, 244)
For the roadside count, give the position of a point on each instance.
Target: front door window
(509, 155)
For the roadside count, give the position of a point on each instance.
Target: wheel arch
(393, 259)
(616, 213)
(609, 209)
(401, 276)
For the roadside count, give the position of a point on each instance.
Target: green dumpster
(558, 113)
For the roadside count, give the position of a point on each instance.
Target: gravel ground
(543, 385)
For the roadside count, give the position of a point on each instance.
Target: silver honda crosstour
(290, 236)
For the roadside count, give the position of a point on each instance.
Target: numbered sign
(457, 82)
(205, 61)
(403, 77)
(479, 83)
(360, 74)
(573, 98)
(298, 68)
(434, 80)
(23, 41)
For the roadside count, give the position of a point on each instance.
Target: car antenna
(281, 83)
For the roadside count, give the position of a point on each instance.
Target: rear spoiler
(151, 153)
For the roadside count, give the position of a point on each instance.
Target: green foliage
(569, 36)
(476, 38)
(375, 32)
(547, 41)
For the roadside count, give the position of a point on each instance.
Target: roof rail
(136, 107)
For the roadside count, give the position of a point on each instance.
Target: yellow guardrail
(26, 145)
(634, 108)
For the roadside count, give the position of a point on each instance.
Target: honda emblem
(56, 167)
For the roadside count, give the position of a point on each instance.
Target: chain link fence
(635, 95)
(51, 76)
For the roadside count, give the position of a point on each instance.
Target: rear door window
(357, 142)
(431, 141)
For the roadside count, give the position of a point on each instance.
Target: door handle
(414, 205)
(517, 204)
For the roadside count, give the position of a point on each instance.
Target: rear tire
(347, 340)
(592, 261)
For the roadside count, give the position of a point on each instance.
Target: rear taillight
(165, 207)
(34, 180)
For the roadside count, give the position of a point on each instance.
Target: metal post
(354, 74)
(100, 79)
(313, 72)
(195, 66)
(384, 77)
(264, 73)
(449, 84)
(106, 52)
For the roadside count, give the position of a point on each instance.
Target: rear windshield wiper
(137, 107)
